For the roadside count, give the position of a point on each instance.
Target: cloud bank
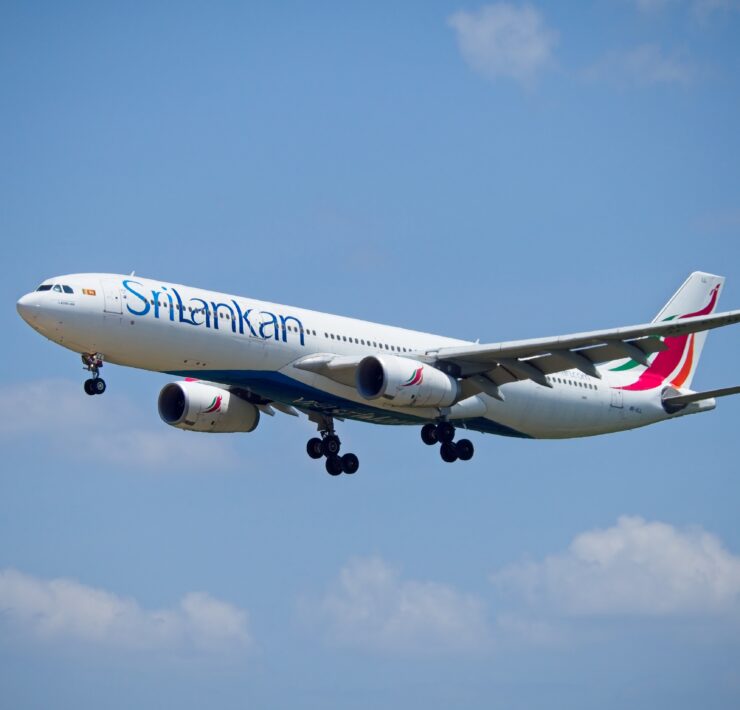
(370, 606)
(633, 568)
(504, 40)
(66, 610)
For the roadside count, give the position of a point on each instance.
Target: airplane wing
(499, 363)
(485, 367)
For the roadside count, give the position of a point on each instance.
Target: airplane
(238, 358)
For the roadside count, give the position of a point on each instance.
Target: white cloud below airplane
(241, 357)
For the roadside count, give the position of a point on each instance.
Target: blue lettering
(244, 318)
(284, 320)
(172, 305)
(204, 310)
(145, 309)
(216, 306)
(182, 309)
(270, 322)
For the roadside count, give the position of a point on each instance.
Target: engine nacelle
(196, 406)
(405, 382)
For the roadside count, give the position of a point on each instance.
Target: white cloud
(646, 65)
(505, 40)
(63, 609)
(371, 607)
(633, 568)
(104, 429)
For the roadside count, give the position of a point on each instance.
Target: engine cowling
(405, 382)
(196, 406)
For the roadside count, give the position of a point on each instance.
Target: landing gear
(333, 465)
(350, 463)
(314, 448)
(93, 363)
(94, 386)
(329, 445)
(429, 434)
(444, 433)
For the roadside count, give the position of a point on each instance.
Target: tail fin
(676, 364)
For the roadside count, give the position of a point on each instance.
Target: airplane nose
(27, 307)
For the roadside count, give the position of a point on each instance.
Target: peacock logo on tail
(675, 362)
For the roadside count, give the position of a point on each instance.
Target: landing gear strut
(93, 363)
(450, 450)
(328, 446)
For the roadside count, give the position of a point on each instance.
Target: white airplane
(239, 357)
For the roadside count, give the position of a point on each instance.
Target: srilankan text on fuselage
(271, 326)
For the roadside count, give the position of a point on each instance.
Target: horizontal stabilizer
(684, 399)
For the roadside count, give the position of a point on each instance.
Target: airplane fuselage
(255, 345)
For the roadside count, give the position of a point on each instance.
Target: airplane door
(617, 400)
(112, 296)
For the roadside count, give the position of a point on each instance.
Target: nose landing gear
(444, 433)
(328, 446)
(93, 363)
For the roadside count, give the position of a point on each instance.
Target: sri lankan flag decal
(88, 291)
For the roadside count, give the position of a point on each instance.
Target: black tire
(350, 463)
(465, 449)
(88, 387)
(333, 465)
(429, 434)
(330, 445)
(98, 386)
(445, 432)
(314, 448)
(448, 452)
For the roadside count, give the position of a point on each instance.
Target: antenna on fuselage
(133, 273)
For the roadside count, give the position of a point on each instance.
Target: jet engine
(196, 406)
(405, 382)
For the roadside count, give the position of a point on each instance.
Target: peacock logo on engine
(416, 378)
(214, 406)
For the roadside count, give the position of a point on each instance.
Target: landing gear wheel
(448, 452)
(98, 386)
(330, 445)
(465, 449)
(89, 387)
(429, 434)
(445, 432)
(333, 465)
(350, 463)
(314, 448)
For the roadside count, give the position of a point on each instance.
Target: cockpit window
(44, 287)
(57, 287)
(67, 289)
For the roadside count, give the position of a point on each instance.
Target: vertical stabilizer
(676, 364)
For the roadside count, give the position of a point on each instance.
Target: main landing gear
(328, 446)
(93, 363)
(443, 433)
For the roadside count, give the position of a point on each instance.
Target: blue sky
(483, 171)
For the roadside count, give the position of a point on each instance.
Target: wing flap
(617, 337)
